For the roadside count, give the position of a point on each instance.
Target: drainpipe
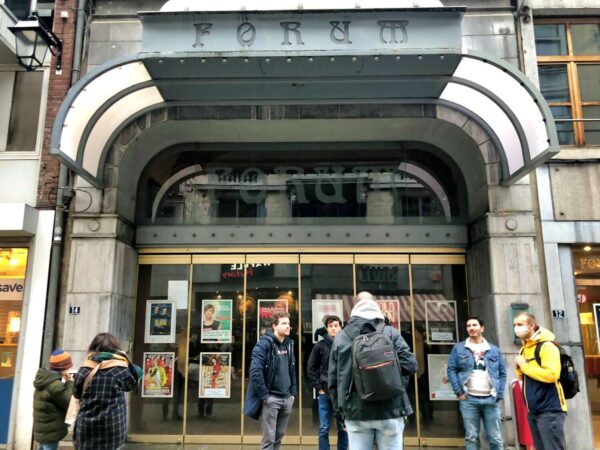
(64, 193)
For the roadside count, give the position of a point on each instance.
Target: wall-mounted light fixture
(32, 41)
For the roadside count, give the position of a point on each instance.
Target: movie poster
(216, 321)
(391, 311)
(441, 322)
(158, 374)
(439, 385)
(266, 309)
(160, 322)
(215, 375)
(322, 308)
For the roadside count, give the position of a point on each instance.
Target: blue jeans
(47, 445)
(548, 430)
(473, 409)
(362, 434)
(325, 411)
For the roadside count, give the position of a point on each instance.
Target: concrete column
(101, 280)
(380, 207)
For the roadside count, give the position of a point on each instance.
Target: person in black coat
(318, 367)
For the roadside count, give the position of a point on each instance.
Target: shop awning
(376, 56)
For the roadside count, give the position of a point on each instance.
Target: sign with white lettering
(386, 31)
(12, 289)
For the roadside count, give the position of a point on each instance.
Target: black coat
(318, 363)
(344, 397)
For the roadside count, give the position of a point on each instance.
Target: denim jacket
(462, 361)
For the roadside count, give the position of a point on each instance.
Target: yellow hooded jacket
(541, 389)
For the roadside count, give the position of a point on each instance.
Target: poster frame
(339, 311)
(436, 378)
(229, 338)
(172, 377)
(227, 376)
(160, 339)
(396, 302)
(258, 318)
(427, 327)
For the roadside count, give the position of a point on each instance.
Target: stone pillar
(101, 280)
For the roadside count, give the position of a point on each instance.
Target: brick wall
(58, 86)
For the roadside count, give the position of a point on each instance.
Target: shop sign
(236, 271)
(301, 31)
(588, 264)
(12, 289)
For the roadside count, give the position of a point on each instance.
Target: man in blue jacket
(273, 381)
(477, 374)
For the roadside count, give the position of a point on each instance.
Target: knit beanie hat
(366, 307)
(60, 360)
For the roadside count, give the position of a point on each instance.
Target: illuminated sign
(12, 289)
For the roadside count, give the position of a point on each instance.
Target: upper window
(19, 114)
(569, 69)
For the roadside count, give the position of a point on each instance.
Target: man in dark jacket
(273, 381)
(53, 389)
(318, 365)
(367, 421)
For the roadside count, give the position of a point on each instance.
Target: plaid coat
(102, 420)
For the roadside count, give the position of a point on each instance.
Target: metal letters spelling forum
(390, 32)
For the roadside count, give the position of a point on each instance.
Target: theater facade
(241, 158)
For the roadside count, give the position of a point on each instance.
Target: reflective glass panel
(550, 39)
(589, 82)
(160, 348)
(586, 39)
(563, 129)
(592, 129)
(554, 83)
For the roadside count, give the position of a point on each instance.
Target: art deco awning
(347, 56)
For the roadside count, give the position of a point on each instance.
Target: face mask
(521, 331)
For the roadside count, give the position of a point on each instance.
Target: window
(568, 54)
(19, 114)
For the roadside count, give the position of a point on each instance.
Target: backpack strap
(99, 366)
(538, 349)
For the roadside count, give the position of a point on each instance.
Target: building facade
(234, 160)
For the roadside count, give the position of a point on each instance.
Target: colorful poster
(391, 311)
(215, 375)
(439, 385)
(266, 309)
(160, 322)
(216, 321)
(441, 322)
(158, 374)
(322, 308)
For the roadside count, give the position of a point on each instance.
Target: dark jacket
(50, 403)
(318, 363)
(462, 361)
(344, 397)
(102, 420)
(262, 372)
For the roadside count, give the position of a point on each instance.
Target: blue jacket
(462, 361)
(262, 372)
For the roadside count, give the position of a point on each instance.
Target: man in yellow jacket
(542, 391)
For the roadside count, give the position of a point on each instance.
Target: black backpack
(375, 366)
(569, 379)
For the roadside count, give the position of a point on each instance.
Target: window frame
(571, 62)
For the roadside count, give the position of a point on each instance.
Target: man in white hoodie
(477, 374)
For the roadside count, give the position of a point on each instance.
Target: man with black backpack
(369, 367)
(543, 393)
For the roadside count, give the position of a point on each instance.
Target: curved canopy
(492, 93)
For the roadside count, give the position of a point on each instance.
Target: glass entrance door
(198, 318)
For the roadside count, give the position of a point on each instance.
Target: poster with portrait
(216, 321)
(158, 374)
(215, 375)
(160, 322)
(266, 309)
(322, 308)
(441, 322)
(439, 385)
(391, 311)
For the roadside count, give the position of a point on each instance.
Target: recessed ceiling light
(587, 248)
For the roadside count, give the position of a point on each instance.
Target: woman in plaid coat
(102, 419)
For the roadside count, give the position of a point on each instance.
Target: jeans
(325, 410)
(548, 430)
(274, 419)
(362, 434)
(47, 445)
(473, 409)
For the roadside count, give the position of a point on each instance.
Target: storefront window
(13, 264)
(297, 188)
